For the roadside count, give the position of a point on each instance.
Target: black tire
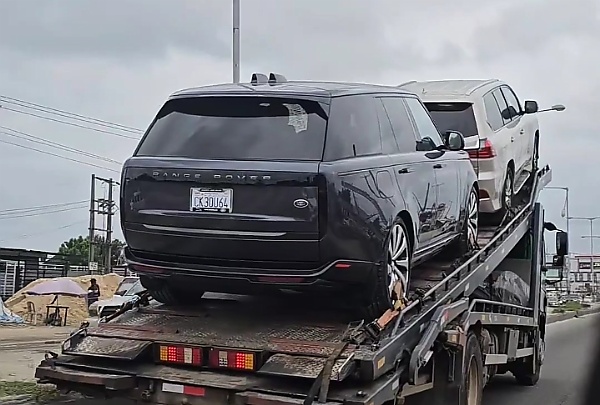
(166, 294)
(471, 388)
(528, 372)
(507, 194)
(467, 242)
(381, 297)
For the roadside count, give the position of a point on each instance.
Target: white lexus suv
(501, 134)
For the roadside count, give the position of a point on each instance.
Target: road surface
(570, 347)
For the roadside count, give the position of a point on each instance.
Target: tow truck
(440, 347)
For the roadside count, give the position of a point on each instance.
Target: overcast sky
(118, 61)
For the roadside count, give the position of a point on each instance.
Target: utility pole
(236, 41)
(92, 225)
(105, 207)
(109, 214)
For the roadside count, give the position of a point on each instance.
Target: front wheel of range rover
(393, 273)
(165, 293)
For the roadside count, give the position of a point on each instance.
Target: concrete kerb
(572, 314)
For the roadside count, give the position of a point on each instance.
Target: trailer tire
(528, 372)
(471, 389)
(166, 294)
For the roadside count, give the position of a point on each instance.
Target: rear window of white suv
(237, 128)
(453, 116)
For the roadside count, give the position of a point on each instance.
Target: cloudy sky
(118, 60)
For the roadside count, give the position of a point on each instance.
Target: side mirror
(562, 244)
(531, 107)
(454, 140)
(509, 113)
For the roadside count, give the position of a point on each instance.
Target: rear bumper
(490, 180)
(252, 272)
(173, 388)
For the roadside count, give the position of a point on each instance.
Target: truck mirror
(562, 243)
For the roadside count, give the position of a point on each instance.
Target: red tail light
(180, 355)
(232, 359)
(487, 151)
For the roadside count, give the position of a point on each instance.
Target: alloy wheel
(473, 219)
(398, 266)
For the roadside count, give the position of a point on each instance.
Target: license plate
(211, 200)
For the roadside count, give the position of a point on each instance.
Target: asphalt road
(570, 347)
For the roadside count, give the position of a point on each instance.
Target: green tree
(76, 251)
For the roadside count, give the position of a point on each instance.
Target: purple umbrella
(60, 286)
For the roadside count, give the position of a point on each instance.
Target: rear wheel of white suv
(507, 193)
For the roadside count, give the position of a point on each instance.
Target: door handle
(438, 166)
(512, 138)
(522, 131)
(404, 170)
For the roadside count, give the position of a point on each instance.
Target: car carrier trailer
(442, 347)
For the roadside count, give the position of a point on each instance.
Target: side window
(423, 121)
(353, 128)
(388, 141)
(404, 132)
(492, 111)
(502, 104)
(513, 103)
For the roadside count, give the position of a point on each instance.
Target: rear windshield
(237, 128)
(453, 117)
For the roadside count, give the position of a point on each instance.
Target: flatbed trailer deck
(296, 351)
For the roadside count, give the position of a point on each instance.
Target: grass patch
(41, 393)
(572, 306)
(568, 306)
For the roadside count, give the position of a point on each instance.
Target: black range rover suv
(269, 185)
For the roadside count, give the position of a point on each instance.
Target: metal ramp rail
(380, 350)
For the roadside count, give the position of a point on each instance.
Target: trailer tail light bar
(232, 359)
(176, 354)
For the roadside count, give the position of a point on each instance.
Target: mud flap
(447, 378)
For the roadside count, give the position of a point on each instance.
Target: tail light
(180, 355)
(232, 359)
(486, 151)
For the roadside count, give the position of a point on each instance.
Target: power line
(67, 114)
(59, 156)
(36, 214)
(56, 145)
(70, 123)
(40, 207)
(47, 231)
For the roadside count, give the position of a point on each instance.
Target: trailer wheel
(528, 372)
(166, 294)
(471, 389)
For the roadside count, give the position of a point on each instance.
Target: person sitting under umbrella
(93, 293)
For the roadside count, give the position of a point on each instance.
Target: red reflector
(232, 359)
(483, 194)
(180, 354)
(342, 266)
(184, 389)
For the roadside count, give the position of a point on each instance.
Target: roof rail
(406, 83)
(259, 78)
(276, 78)
(480, 85)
